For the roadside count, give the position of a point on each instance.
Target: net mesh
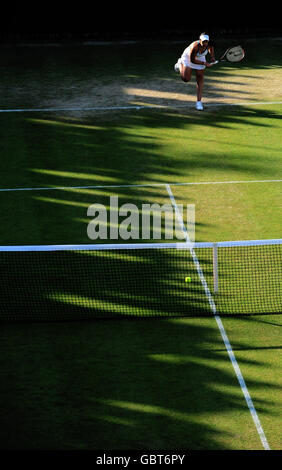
(114, 282)
(249, 279)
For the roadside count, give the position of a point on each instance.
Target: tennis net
(65, 282)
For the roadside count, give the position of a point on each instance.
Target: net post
(215, 268)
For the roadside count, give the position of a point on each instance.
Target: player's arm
(211, 51)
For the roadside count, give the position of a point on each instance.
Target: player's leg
(200, 86)
(185, 72)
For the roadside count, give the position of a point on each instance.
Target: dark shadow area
(25, 22)
(121, 385)
(113, 284)
(267, 348)
(142, 283)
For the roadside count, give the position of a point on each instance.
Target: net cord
(134, 246)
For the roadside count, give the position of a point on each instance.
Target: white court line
(137, 107)
(39, 110)
(221, 328)
(149, 185)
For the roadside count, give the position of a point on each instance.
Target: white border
(132, 107)
(147, 185)
(140, 246)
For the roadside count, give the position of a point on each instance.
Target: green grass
(145, 147)
(138, 384)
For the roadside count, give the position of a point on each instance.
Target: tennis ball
(187, 279)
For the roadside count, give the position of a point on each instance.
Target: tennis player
(194, 58)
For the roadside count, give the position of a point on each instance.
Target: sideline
(221, 329)
(136, 107)
(148, 185)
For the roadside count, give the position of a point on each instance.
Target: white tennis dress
(185, 58)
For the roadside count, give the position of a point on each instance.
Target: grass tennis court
(73, 135)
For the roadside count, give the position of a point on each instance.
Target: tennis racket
(232, 54)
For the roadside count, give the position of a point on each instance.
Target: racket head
(234, 54)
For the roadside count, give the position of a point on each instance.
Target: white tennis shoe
(199, 106)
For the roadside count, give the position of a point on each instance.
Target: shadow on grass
(119, 151)
(149, 385)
